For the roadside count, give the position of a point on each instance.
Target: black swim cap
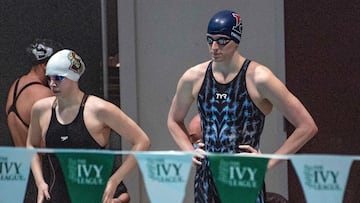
(226, 23)
(40, 50)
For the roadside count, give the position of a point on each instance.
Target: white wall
(160, 39)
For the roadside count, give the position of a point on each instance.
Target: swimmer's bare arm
(116, 119)
(34, 141)
(178, 110)
(270, 88)
(187, 88)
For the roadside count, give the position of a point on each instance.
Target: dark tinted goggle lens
(55, 77)
(220, 41)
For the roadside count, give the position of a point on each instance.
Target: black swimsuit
(73, 135)
(15, 98)
(31, 192)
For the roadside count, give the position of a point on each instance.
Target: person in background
(73, 119)
(24, 92)
(29, 88)
(233, 96)
(194, 129)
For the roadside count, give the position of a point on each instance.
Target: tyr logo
(221, 96)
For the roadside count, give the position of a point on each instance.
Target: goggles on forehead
(55, 78)
(219, 41)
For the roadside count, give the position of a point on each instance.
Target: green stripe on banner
(86, 174)
(238, 178)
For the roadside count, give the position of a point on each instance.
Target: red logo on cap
(75, 61)
(237, 19)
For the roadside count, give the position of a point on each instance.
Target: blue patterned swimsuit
(228, 118)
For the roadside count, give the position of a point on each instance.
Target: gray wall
(159, 40)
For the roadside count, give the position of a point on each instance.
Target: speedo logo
(64, 138)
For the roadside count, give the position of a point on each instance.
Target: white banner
(165, 175)
(323, 177)
(14, 173)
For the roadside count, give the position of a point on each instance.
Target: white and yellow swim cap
(65, 63)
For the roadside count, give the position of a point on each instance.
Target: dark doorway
(323, 70)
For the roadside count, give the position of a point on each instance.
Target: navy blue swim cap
(226, 23)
